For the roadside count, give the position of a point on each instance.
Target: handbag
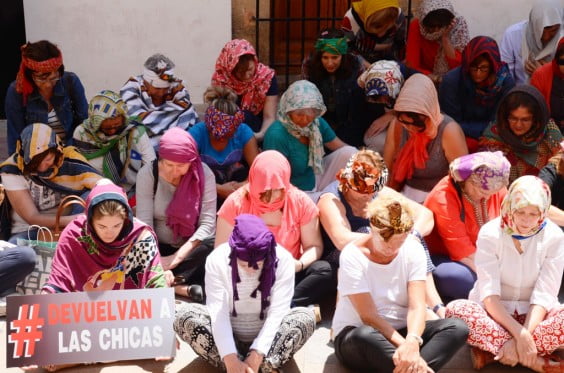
(44, 246)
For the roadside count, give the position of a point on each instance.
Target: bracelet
(302, 263)
(416, 337)
(437, 306)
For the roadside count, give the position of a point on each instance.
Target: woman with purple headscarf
(176, 196)
(247, 323)
(462, 203)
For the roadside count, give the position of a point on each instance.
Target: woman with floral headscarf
(462, 203)
(421, 141)
(44, 92)
(255, 84)
(471, 92)
(158, 99)
(513, 310)
(523, 131)
(529, 44)
(300, 134)
(380, 319)
(436, 39)
(39, 175)
(176, 196)
(226, 144)
(112, 142)
(382, 83)
(290, 214)
(549, 80)
(342, 210)
(334, 72)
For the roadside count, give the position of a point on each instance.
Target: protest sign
(89, 327)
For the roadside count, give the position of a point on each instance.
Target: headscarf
(162, 78)
(383, 78)
(254, 91)
(527, 146)
(487, 170)
(270, 170)
(83, 258)
(71, 174)
(251, 242)
(304, 95)
(93, 143)
(23, 85)
(366, 8)
(485, 94)
(543, 13)
(418, 95)
(361, 176)
(391, 219)
(459, 34)
(220, 124)
(525, 191)
(183, 211)
(337, 46)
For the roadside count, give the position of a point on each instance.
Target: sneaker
(316, 312)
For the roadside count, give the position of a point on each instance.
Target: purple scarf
(251, 241)
(183, 211)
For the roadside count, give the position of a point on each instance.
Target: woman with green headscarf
(113, 143)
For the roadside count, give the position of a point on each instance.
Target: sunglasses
(412, 119)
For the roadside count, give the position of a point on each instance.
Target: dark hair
(32, 166)
(313, 67)
(41, 51)
(438, 18)
(515, 100)
(222, 98)
(243, 64)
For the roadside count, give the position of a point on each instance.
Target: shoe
(480, 358)
(316, 312)
(553, 364)
(2, 306)
(196, 294)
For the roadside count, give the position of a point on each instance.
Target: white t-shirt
(520, 280)
(45, 199)
(386, 283)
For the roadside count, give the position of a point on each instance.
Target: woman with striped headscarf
(113, 143)
(39, 174)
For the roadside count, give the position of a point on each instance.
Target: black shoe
(196, 294)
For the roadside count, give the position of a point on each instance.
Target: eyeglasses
(482, 69)
(46, 78)
(417, 120)
(514, 120)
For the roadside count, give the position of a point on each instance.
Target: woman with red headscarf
(44, 92)
(238, 68)
(176, 197)
(290, 214)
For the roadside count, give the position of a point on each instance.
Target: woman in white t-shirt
(379, 323)
(513, 310)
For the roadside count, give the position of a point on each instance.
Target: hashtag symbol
(26, 330)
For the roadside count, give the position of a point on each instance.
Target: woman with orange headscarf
(421, 141)
(290, 214)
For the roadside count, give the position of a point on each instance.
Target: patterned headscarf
(485, 94)
(366, 8)
(361, 176)
(72, 174)
(251, 241)
(525, 191)
(161, 78)
(391, 219)
(383, 78)
(23, 85)
(418, 95)
(254, 91)
(93, 143)
(304, 95)
(459, 34)
(220, 124)
(183, 211)
(337, 46)
(543, 13)
(487, 170)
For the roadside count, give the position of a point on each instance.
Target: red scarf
(23, 85)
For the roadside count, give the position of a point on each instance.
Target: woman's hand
(224, 190)
(508, 353)
(234, 365)
(526, 348)
(407, 358)
(170, 261)
(169, 278)
(254, 360)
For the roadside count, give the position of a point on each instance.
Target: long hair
(314, 67)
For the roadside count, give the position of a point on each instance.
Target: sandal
(480, 358)
(195, 294)
(553, 364)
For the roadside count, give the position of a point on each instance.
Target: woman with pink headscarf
(290, 214)
(176, 197)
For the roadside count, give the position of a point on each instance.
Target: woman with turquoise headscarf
(113, 143)
(513, 311)
(300, 134)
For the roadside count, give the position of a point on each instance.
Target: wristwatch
(416, 337)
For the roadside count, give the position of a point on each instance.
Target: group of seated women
(425, 244)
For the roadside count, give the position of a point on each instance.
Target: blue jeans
(15, 264)
(454, 280)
